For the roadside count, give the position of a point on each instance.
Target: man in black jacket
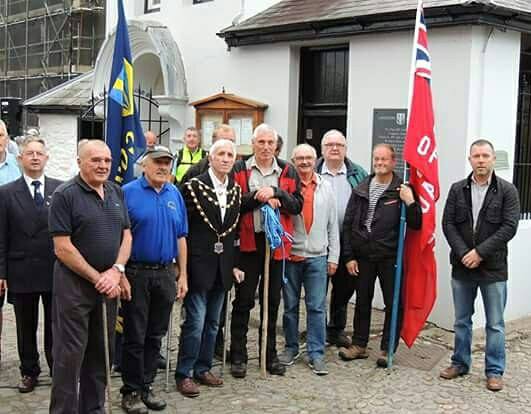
(370, 240)
(26, 255)
(480, 217)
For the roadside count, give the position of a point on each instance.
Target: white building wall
(60, 133)
(475, 85)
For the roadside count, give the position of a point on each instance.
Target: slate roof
(289, 15)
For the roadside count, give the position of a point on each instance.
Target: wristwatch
(119, 267)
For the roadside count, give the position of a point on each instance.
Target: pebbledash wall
(475, 84)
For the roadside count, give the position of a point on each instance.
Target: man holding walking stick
(159, 227)
(89, 225)
(263, 179)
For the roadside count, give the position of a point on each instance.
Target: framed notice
(389, 127)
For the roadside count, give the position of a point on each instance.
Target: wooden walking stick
(168, 343)
(106, 349)
(265, 309)
(226, 332)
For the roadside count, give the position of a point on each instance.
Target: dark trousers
(78, 382)
(384, 270)
(343, 287)
(253, 266)
(146, 319)
(26, 307)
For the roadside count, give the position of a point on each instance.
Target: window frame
(149, 7)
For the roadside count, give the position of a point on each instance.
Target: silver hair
(29, 138)
(330, 133)
(303, 146)
(265, 129)
(216, 146)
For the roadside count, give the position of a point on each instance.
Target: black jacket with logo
(497, 224)
(382, 241)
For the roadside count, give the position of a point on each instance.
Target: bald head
(151, 138)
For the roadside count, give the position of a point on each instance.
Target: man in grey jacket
(480, 217)
(314, 254)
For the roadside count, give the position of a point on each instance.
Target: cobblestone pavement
(355, 387)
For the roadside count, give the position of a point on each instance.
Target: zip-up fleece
(323, 239)
(289, 194)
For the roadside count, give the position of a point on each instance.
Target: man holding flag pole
(420, 155)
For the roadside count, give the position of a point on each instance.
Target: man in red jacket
(263, 179)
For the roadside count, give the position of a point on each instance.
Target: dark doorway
(324, 91)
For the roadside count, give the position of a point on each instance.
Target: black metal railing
(522, 153)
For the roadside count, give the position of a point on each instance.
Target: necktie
(39, 199)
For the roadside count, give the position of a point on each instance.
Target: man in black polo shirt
(89, 225)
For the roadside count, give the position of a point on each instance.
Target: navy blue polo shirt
(157, 221)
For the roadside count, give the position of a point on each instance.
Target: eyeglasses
(334, 144)
(307, 158)
(39, 154)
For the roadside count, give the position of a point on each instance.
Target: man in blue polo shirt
(159, 226)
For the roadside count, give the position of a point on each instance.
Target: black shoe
(161, 363)
(340, 339)
(238, 369)
(276, 368)
(132, 404)
(152, 402)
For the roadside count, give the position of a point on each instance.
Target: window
(522, 152)
(152, 6)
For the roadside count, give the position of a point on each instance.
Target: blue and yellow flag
(124, 132)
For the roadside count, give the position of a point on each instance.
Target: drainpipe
(237, 18)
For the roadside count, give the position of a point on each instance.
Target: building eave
(378, 23)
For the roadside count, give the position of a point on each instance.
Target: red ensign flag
(420, 152)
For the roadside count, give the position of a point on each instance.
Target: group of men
(149, 243)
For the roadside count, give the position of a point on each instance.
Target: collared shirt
(95, 225)
(31, 187)
(308, 194)
(158, 220)
(9, 170)
(259, 179)
(477, 194)
(221, 192)
(342, 190)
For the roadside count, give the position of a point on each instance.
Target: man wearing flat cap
(159, 227)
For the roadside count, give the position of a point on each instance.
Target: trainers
(353, 352)
(150, 399)
(318, 366)
(288, 357)
(132, 404)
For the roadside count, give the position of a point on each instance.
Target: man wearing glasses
(343, 175)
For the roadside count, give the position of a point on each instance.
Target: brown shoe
(27, 384)
(495, 383)
(353, 352)
(451, 372)
(188, 388)
(209, 379)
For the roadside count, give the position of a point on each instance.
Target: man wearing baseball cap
(159, 226)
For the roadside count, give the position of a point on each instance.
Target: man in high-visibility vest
(189, 155)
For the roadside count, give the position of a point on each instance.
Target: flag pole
(402, 230)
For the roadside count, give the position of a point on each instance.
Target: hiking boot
(151, 401)
(353, 352)
(132, 404)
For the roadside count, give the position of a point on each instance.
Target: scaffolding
(44, 43)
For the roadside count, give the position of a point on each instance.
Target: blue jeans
(494, 296)
(198, 335)
(310, 273)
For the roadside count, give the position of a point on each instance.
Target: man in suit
(213, 205)
(26, 255)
